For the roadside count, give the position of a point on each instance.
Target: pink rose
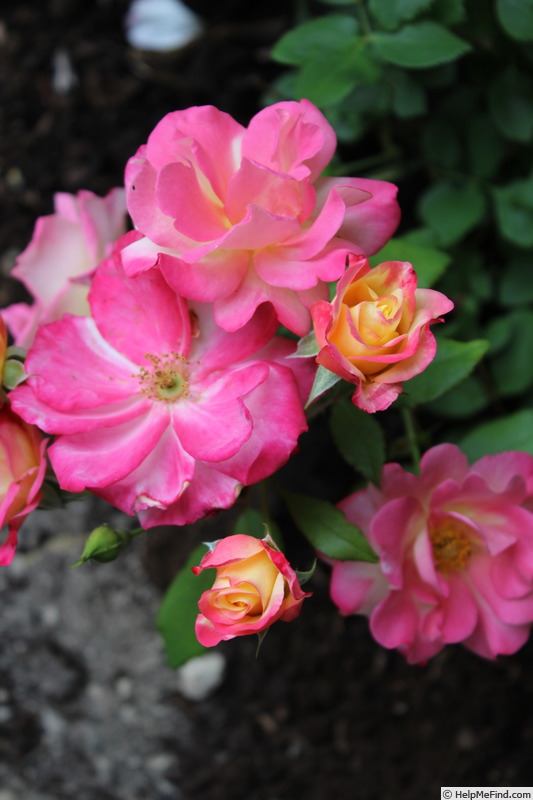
(254, 586)
(56, 265)
(375, 333)
(157, 409)
(22, 468)
(456, 555)
(239, 216)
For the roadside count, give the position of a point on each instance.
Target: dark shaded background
(324, 711)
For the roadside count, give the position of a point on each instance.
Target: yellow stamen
(452, 547)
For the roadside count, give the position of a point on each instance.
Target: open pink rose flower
(254, 586)
(375, 333)
(66, 246)
(157, 409)
(239, 216)
(22, 468)
(456, 555)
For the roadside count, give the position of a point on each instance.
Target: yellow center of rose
(452, 547)
(242, 598)
(166, 379)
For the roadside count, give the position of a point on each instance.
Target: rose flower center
(451, 546)
(166, 379)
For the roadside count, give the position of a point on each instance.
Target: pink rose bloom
(155, 408)
(239, 216)
(456, 555)
(56, 265)
(375, 333)
(22, 468)
(254, 586)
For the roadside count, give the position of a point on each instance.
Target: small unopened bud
(14, 373)
(105, 543)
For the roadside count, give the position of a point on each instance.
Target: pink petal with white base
(98, 458)
(132, 315)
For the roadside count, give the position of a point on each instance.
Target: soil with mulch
(323, 711)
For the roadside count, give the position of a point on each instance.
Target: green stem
(408, 421)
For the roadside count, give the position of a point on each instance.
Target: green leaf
(359, 439)
(390, 13)
(468, 398)
(511, 105)
(512, 432)
(324, 380)
(421, 45)
(516, 18)
(452, 211)
(311, 39)
(177, 615)
(514, 211)
(328, 530)
(330, 76)
(452, 363)
(512, 366)
(429, 264)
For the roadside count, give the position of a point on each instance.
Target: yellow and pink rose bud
(254, 586)
(22, 468)
(375, 332)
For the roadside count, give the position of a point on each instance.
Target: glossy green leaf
(328, 530)
(452, 211)
(511, 432)
(516, 18)
(177, 615)
(359, 439)
(312, 38)
(452, 363)
(429, 263)
(421, 45)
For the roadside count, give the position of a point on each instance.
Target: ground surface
(88, 708)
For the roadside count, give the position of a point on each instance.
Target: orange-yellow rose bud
(254, 586)
(375, 333)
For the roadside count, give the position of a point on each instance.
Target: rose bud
(375, 332)
(22, 468)
(254, 586)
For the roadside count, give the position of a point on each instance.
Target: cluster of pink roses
(155, 363)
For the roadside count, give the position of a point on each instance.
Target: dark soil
(324, 711)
